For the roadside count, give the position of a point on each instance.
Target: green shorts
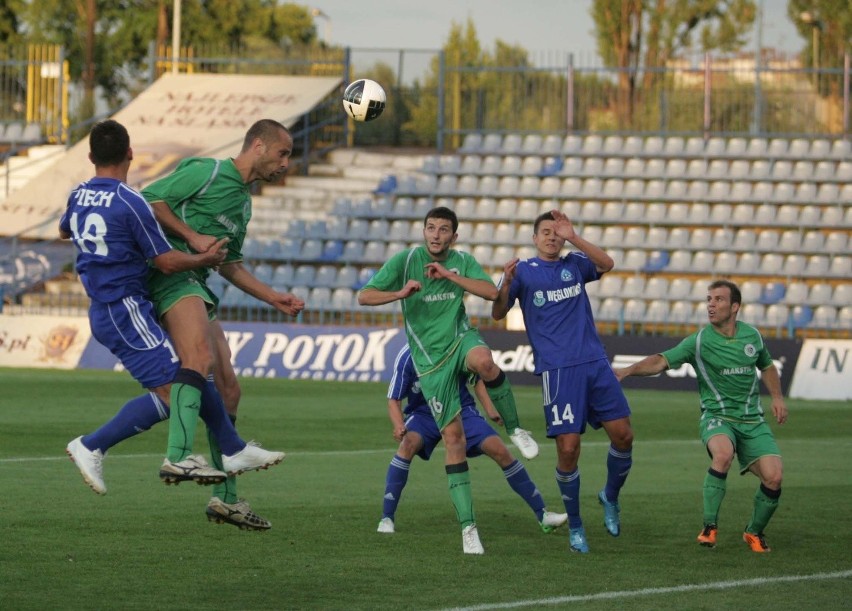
(440, 385)
(167, 289)
(752, 440)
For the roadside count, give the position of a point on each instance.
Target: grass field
(148, 546)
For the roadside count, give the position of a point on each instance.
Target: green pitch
(148, 546)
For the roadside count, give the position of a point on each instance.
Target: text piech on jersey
(87, 197)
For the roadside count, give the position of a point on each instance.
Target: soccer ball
(364, 100)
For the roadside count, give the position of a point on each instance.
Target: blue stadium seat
(388, 184)
(364, 277)
(773, 292)
(657, 261)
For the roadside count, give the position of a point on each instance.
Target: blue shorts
(587, 393)
(476, 431)
(129, 329)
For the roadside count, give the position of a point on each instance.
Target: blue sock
(394, 483)
(569, 486)
(618, 465)
(518, 478)
(216, 418)
(136, 416)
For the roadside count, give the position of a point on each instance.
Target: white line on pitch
(717, 585)
(586, 444)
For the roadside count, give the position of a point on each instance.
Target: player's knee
(722, 461)
(771, 476)
(407, 448)
(622, 439)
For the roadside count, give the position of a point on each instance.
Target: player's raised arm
(500, 307)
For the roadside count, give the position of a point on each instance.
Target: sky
(542, 27)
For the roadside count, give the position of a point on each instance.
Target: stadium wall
(813, 369)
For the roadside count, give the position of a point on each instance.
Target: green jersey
(211, 197)
(434, 316)
(726, 367)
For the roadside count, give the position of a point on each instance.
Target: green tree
(462, 50)
(10, 12)
(826, 27)
(116, 33)
(638, 37)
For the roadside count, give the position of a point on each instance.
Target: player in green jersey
(727, 355)
(200, 202)
(430, 281)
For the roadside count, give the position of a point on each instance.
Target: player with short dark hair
(415, 429)
(578, 386)
(430, 281)
(726, 355)
(116, 236)
(203, 200)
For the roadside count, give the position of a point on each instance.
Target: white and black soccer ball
(364, 100)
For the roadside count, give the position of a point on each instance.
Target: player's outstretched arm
(239, 276)
(649, 366)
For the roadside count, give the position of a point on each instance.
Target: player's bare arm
(772, 381)
(374, 297)
(480, 288)
(178, 261)
(564, 229)
(486, 403)
(649, 366)
(239, 276)
(397, 419)
(500, 307)
(172, 225)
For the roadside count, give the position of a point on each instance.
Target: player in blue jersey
(578, 384)
(418, 434)
(116, 236)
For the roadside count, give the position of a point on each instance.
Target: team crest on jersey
(455, 270)
(415, 388)
(750, 350)
(538, 299)
(566, 275)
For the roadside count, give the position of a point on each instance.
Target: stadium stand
(774, 215)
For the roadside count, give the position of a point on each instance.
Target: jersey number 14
(566, 416)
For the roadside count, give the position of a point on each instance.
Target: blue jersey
(557, 312)
(116, 233)
(406, 385)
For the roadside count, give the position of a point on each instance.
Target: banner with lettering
(304, 352)
(54, 342)
(513, 354)
(180, 115)
(824, 370)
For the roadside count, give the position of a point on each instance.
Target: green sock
(185, 401)
(765, 504)
(715, 486)
(500, 392)
(459, 480)
(227, 490)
